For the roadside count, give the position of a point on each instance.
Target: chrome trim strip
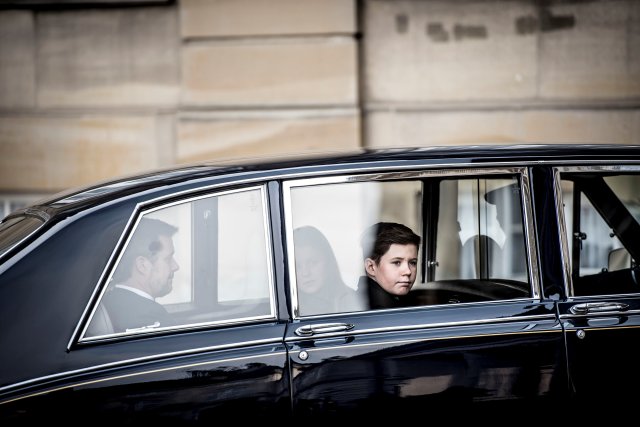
(527, 332)
(602, 314)
(140, 210)
(527, 203)
(117, 377)
(353, 168)
(245, 177)
(530, 233)
(75, 336)
(420, 307)
(150, 330)
(624, 166)
(151, 358)
(565, 256)
(431, 326)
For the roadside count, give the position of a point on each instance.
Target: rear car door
(601, 209)
(473, 331)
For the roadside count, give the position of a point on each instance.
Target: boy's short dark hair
(377, 239)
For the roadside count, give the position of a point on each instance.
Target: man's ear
(142, 264)
(370, 267)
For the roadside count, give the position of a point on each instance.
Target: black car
(252, 301)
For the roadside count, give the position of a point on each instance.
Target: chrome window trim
(434, 325)
(139, 213)
(527, 215)
(126, 362)
(421, 307)
(623, 167)
(531, 248)
(306, 171)
(300, 172)
(562, 226)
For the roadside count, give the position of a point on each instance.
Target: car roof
(476, 154)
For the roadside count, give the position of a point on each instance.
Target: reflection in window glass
(191, 263)
(486, 241)
(328, 222)
(625, 188)
(479, 253)
(597, 245)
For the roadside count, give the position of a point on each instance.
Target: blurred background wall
(91, 90)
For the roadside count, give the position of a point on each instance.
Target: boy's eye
(414, 263)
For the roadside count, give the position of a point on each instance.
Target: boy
(390, 261)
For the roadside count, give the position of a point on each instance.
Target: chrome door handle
(598, 307)
(323, 328)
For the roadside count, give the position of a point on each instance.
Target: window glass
(328, 223)
(602, 212)
(471, 243)
(191, 263)
(486, 241)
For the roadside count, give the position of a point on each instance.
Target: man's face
(397, 268)
(163, 267)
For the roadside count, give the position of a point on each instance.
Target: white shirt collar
(137, 291)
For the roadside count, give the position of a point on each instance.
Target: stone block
(51, 153)
(108, 57)
(595, 55)
(220, 18)
(502, 127)
(211, 136)
(423, 51)
(270, 72)
(17, 67)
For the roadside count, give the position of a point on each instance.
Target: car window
(472, 240)
(480, 230)
(601, 210)
(199, 262)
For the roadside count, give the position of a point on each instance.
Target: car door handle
(598, 307)
(323, 328)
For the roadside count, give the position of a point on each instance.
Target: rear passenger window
(204, 261)
(472, 240)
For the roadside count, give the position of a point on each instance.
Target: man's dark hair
(144, 242)
(377, 239)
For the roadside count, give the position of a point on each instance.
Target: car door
(602, 246)
(223, 353)
(473, 330)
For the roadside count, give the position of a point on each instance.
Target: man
(145, 273)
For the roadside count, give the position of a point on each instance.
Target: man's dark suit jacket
(129, 310)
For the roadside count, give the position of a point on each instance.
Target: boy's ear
(369, 266)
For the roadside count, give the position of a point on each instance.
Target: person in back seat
(391, 262)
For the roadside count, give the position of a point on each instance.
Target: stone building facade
(91, 90)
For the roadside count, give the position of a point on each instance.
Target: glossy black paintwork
(486, 355)
(405, 359)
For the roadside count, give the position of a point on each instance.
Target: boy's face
(397, 268)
